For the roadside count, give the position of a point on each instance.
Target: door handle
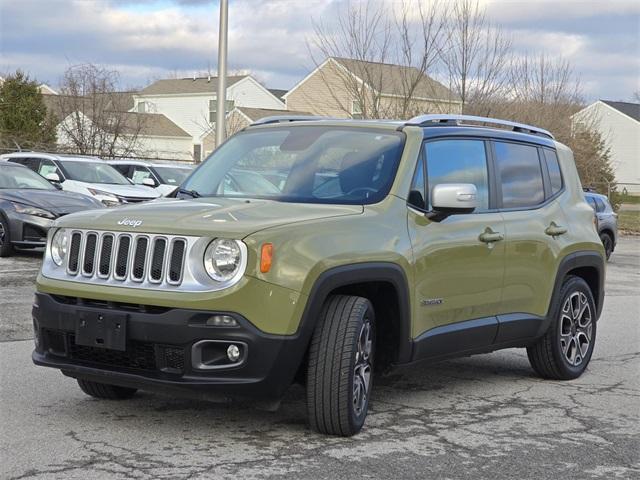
(555, 230)
(489, 236)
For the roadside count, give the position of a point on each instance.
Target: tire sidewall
(5, 248)
(357, 421)
(607, 243)
(572, 285)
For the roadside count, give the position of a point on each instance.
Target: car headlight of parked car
(35, 211)
(59, 246)
(107, 199)
(225, 260)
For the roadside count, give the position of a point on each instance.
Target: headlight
(35, 211)
(223, 259)
(59, 246)
(107, 199)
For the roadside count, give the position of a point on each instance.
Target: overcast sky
(149, 39)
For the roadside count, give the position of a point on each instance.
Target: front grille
(123, 257)
(145, 356)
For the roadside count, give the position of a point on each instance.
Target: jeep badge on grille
(130, 222)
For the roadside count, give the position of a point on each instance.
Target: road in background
(486, 416)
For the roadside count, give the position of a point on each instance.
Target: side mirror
(149, 182)
(53, 177)
(57, 185)
(452, 198)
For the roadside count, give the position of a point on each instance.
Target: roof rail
(447, 119)
(287, 118)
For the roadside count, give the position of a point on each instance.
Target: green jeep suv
(316, 250)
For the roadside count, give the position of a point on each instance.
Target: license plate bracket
(101, 330)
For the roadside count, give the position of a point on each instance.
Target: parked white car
(89, 175)
(165, 177)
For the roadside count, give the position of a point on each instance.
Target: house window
(229, 105)
(142, 107)
(356, 109)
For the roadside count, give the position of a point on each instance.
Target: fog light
(233, 353)
(222, 321)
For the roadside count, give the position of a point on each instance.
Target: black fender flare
(351, 274)
(580, 259)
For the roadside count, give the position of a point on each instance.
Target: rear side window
(555, 176)
(520, 173)
(32, 163)
(458, 161)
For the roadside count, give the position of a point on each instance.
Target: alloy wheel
(362, 370)
(576, 328)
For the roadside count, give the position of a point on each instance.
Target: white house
(619, 125)
(191, 103)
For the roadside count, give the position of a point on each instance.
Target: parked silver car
(607, 220)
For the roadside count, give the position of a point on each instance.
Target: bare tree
(94, 116)
(476, 56)
(377, 54)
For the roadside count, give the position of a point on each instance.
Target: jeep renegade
(315, 250)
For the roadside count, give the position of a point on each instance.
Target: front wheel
(340, 368)
(6, 249)
(565, 350)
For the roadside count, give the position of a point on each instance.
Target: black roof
(630, 109)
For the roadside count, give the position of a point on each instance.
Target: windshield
(310, 164)
(20, 177)
(93, 172)
(172, 175)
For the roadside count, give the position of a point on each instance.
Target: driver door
(458, 276)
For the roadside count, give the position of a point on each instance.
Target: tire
(6, 249)
(106, 392)
(565, 350)
(607, 243)
(340, 367)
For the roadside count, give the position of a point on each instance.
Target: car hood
(56, 201)
(233, 218)
(137, 191)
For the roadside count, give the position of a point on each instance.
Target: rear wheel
(340, 370)
(607, 243)
(565, 350)
(6, 249)
(105, 391)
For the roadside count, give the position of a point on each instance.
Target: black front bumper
(158, 353)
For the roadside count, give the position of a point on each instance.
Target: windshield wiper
(192, 193)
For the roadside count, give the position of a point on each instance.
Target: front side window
(458, 161)
(172, 175)
(140, 174)
(418, 187)
(18, 177)
(310, 164)
(93, 172)
(47, 167)
(520, 173)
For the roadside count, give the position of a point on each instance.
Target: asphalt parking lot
(486, 416)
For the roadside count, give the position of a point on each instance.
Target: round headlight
(59, 246)
(222, 259)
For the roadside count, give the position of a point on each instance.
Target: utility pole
(222, 73)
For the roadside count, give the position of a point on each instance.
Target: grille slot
(89, 254)
(157, 260)
(119, 258)
(106, 253)
(74, 253)
(176, 261)
(122, 258)
(139, 259)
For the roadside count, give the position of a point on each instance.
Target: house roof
(278, 92)
(254, 114)
(154, 124)
(391, 79)
(630, 109)
(177, 86)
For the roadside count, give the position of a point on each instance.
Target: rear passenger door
(530, 188)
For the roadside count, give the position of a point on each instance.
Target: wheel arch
(384, 284)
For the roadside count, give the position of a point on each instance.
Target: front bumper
(28, 230)
(159, 351)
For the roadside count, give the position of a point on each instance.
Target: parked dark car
(606, 219)
(28, 206)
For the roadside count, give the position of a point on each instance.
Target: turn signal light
(266, 257)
